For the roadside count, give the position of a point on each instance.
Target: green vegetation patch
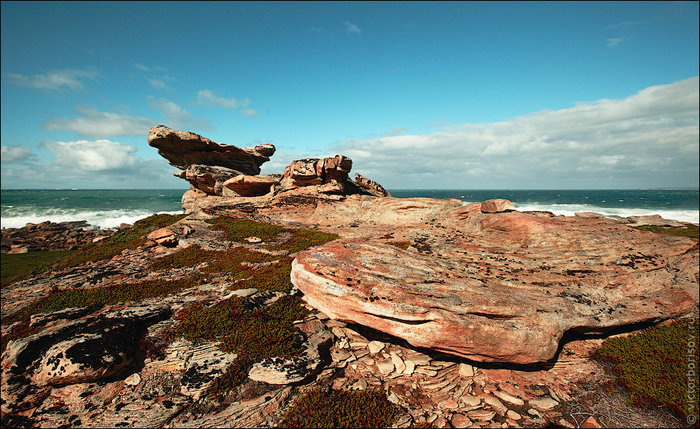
(219, 261)
(128, 238)
(25, 265)
(400, 244)
(239, 229)
(654, 364)
(340, 409)
(690, 230)
(253, 334)
(303, 239)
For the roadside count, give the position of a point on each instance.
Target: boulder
(500, 287)
(207, 178)
(252, 186)
(184, 148)
(315, 171)
(370, 186)
(496, 206)
(653, 220)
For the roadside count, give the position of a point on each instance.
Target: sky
(421, 95)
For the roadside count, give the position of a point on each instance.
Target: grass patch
(128, 238)
(253, 334)
(400, 244)
(690, 230)
(653, 364)
(219, 261)
(340, 409)
(25, 265)
(239, 229)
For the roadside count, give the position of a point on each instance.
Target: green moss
(128, 238)
(689, 230)
(275, 277)
(240, 229)
(340, 409)
(400, 244)
(25, 265)
(219, 261)
(303, 239)
(300, 239)
(654, 364)
(254, 334)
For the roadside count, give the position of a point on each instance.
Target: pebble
(544, 404)
(375, 347)
(466, 370)
(132, 380)
(508, 398)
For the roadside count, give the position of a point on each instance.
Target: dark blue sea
(109, 208)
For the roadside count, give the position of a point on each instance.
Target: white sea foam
(102, 219)
(569, 210)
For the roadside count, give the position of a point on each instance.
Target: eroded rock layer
(502, 287)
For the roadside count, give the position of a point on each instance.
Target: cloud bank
(92, 123)
(15, 154)
(649, 139)
(53, 80)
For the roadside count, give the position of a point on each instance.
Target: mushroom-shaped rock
(184, 148)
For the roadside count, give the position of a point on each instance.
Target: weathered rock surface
(496, 206)
(503, 287)
(314, 171)
(251, 186)
(183, 149)
(49, 236)
(207, 178)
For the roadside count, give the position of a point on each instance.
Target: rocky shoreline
(463, 316)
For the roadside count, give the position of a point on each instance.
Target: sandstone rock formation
(218, 169)
(183, 149)
(503, 287)
(49, 236)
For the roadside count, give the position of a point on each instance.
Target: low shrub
(300, 238)
(689, 230)
(253, 334)
(319, 408)
(400, 244)
(26, 265)
(654, 364)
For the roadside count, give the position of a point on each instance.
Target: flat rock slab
(502, 287)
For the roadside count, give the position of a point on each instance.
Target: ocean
(110, 208)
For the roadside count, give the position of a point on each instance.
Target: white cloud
(351, 28)
(645, 140)
(158, 84)
(614, 41)
(205, 96)
(177, 117)
(92, 123)
(93, 156)
(139, 66)
(53, 80)
(16, 154)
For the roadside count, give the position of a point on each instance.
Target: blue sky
(420, 95)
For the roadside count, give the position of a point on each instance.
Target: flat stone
(398, 362)
(466, 370)
(375, 347)
(513, 415)
(385, 367)
(496, 404)
(543, 404)
(461, 421)
(508, 398)
(410, 367)
(470, 400)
